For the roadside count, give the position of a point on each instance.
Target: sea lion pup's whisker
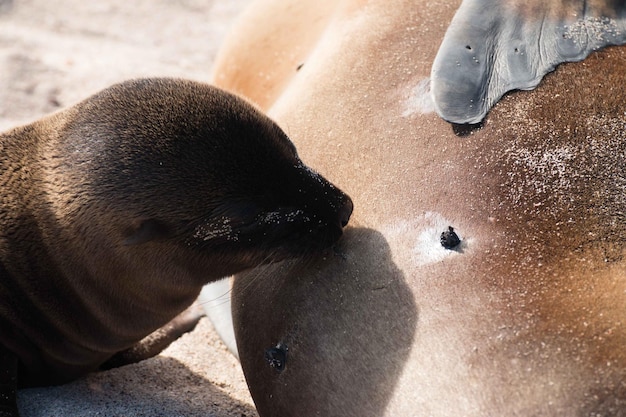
(263, 273)
(255, 274)
(258, 273)
(217, 300)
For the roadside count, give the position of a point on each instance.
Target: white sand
(54, 53)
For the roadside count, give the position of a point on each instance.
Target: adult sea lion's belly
(525, 317)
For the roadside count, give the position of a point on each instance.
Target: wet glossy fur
(116, 211)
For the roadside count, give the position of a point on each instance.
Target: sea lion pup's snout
(345, 211)
(300, 213)
(323, 209)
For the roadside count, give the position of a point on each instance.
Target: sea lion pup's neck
(116, 211)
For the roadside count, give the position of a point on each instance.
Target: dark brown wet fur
(116, 211)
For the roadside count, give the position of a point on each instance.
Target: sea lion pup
(116, 211)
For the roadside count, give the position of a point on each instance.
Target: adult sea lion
(116, 211)
(523, 317)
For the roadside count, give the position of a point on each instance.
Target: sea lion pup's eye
(148, 230)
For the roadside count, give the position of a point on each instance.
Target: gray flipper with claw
(495, 46)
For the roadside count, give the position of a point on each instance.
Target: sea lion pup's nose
(345, 211)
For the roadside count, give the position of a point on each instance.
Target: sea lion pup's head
(185, 172)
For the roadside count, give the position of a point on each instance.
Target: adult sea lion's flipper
(494, 46)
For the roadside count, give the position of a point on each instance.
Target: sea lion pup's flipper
(494, 46)
(157, 341)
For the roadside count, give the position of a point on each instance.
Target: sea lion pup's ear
(147, 230)
(494, 46)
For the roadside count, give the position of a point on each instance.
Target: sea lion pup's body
(116, 211)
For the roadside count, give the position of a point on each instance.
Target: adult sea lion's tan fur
(116, 211)
(526, 318)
